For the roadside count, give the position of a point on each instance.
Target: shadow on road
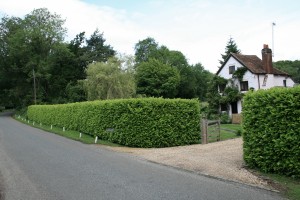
(2, 197)
(6, 113)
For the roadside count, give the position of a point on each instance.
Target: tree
(107, 80)
(193, 78)
(202, 80)
(290, 67)
(145, 49)
(8, 77)
(96, 50)
(26, 46)
(231, 47)
(157, 79)
(33, 49)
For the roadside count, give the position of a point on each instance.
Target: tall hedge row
(146, 122)
(271, 123)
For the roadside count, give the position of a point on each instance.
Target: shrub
(271, 123)
(225, 118)
(147, 122)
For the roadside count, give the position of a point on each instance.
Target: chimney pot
(266, 46)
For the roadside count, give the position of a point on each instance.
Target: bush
(271, 123)
(147, 122)
(225, 118)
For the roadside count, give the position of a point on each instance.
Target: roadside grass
(74, 135)
(228, 131)
(288, 186)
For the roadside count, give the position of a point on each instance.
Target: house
(255, 74)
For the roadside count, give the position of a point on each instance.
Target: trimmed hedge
(271, 123)
(146, 122)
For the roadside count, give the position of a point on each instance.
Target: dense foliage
(291, 67)
(148, 122)
(193, 80)
(107, 80)
(221, 92)
(33, 50)
(271, 123)
(157, 79)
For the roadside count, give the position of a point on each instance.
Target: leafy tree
(157, 79)
(8, 77)
(33, 48)
(76, 46)
(96, 50)
(202, 80)
(26, 46)
(107, 80)
(291, 67)
(231, 47)
(145, 49)
(193, 78)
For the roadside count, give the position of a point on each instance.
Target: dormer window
(231, 69)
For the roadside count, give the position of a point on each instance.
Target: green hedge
(271, 123)
(146, 122)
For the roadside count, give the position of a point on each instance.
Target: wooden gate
(210, 130)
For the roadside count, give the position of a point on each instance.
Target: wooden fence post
(204, 131)
(219, 130)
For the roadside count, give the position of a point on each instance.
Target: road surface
(38, 165)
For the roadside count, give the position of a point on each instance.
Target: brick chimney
(267, 59)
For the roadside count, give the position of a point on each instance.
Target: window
(244, 85)
(223, 107)
(222, 88)
(284, 83)
(231, 69)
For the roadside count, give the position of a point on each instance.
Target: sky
(200, 29)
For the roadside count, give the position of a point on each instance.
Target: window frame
(231, 69)
(243, 86)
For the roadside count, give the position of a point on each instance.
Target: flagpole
(273, 24)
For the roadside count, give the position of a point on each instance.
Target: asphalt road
(38, 165)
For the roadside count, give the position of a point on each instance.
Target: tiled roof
(254, 64)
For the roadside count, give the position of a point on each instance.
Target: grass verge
(288, 186)
(74, 135)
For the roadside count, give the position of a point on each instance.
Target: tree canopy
(291, 67)
(231, 47)
(193, 78)
(157, 79)
(33, 50)
(107, 80)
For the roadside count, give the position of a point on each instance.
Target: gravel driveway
(220, 159)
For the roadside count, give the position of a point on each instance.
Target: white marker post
(79, 135)
(33, 123)
(96, 139)
(64, 129)
(51, 127)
